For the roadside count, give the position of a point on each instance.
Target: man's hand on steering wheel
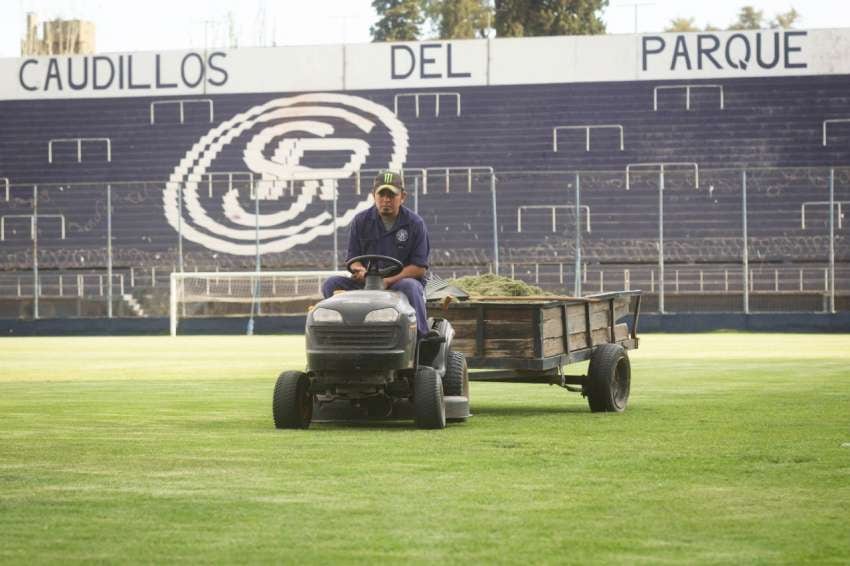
(358, 271)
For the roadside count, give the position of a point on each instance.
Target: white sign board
(430, 64)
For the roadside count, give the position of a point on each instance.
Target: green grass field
(735, 448)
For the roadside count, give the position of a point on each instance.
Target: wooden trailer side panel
(504, 331)
(533, 330)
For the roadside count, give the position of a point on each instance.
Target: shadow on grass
(528, 411)
(482, 413)
(388, 425)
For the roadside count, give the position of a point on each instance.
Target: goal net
(243, 294)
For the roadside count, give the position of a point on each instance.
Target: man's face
(388, 203)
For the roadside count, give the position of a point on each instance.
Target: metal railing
(680, 230)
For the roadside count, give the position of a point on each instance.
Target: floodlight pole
(635, 5)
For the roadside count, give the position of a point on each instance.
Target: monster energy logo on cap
(389, 180)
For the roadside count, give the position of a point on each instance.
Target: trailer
(531, 339)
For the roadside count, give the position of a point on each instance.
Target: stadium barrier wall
(649, 323)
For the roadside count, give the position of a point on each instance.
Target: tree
(518, 18)
(785, 20)
(748, 18)
(459, 19)
(399, 20)
(682, 25)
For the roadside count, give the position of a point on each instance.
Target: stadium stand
(775, 127)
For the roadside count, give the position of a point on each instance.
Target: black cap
(387, 179)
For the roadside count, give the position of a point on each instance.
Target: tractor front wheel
(293, 404)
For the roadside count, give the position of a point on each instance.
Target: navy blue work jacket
(407, 240)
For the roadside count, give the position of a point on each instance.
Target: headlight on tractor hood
(382, 315)
(326, 315)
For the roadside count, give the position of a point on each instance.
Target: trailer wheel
(428, 405)
(609, 379)
(292, 404)
(456, 380)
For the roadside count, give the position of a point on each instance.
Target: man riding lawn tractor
(373, 348)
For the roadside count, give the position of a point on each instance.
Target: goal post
(243, 293)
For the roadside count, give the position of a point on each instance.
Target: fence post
(495, 222)
(661, 240)
(336, 232)
(172, 305)
(34, 225)
(255, 287)
(746, 253)
(109, 249)
(577, 282)
(831, 241)
(180, 227)
(415, 196)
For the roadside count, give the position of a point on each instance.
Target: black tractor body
(365, 360)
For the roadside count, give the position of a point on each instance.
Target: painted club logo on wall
(296, 149)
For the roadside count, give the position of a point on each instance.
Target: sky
(158, 25)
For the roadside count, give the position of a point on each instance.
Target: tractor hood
(355, 305)
(351, 342)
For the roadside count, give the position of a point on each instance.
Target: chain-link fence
(694, 240)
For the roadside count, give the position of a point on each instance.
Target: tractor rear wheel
(609, 379)
(428, 404)
(292, 404)
(456, 380)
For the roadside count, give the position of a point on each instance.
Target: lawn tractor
(365, 360)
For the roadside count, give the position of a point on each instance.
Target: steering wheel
(372, 268)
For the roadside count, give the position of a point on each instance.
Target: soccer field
(734, 448)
